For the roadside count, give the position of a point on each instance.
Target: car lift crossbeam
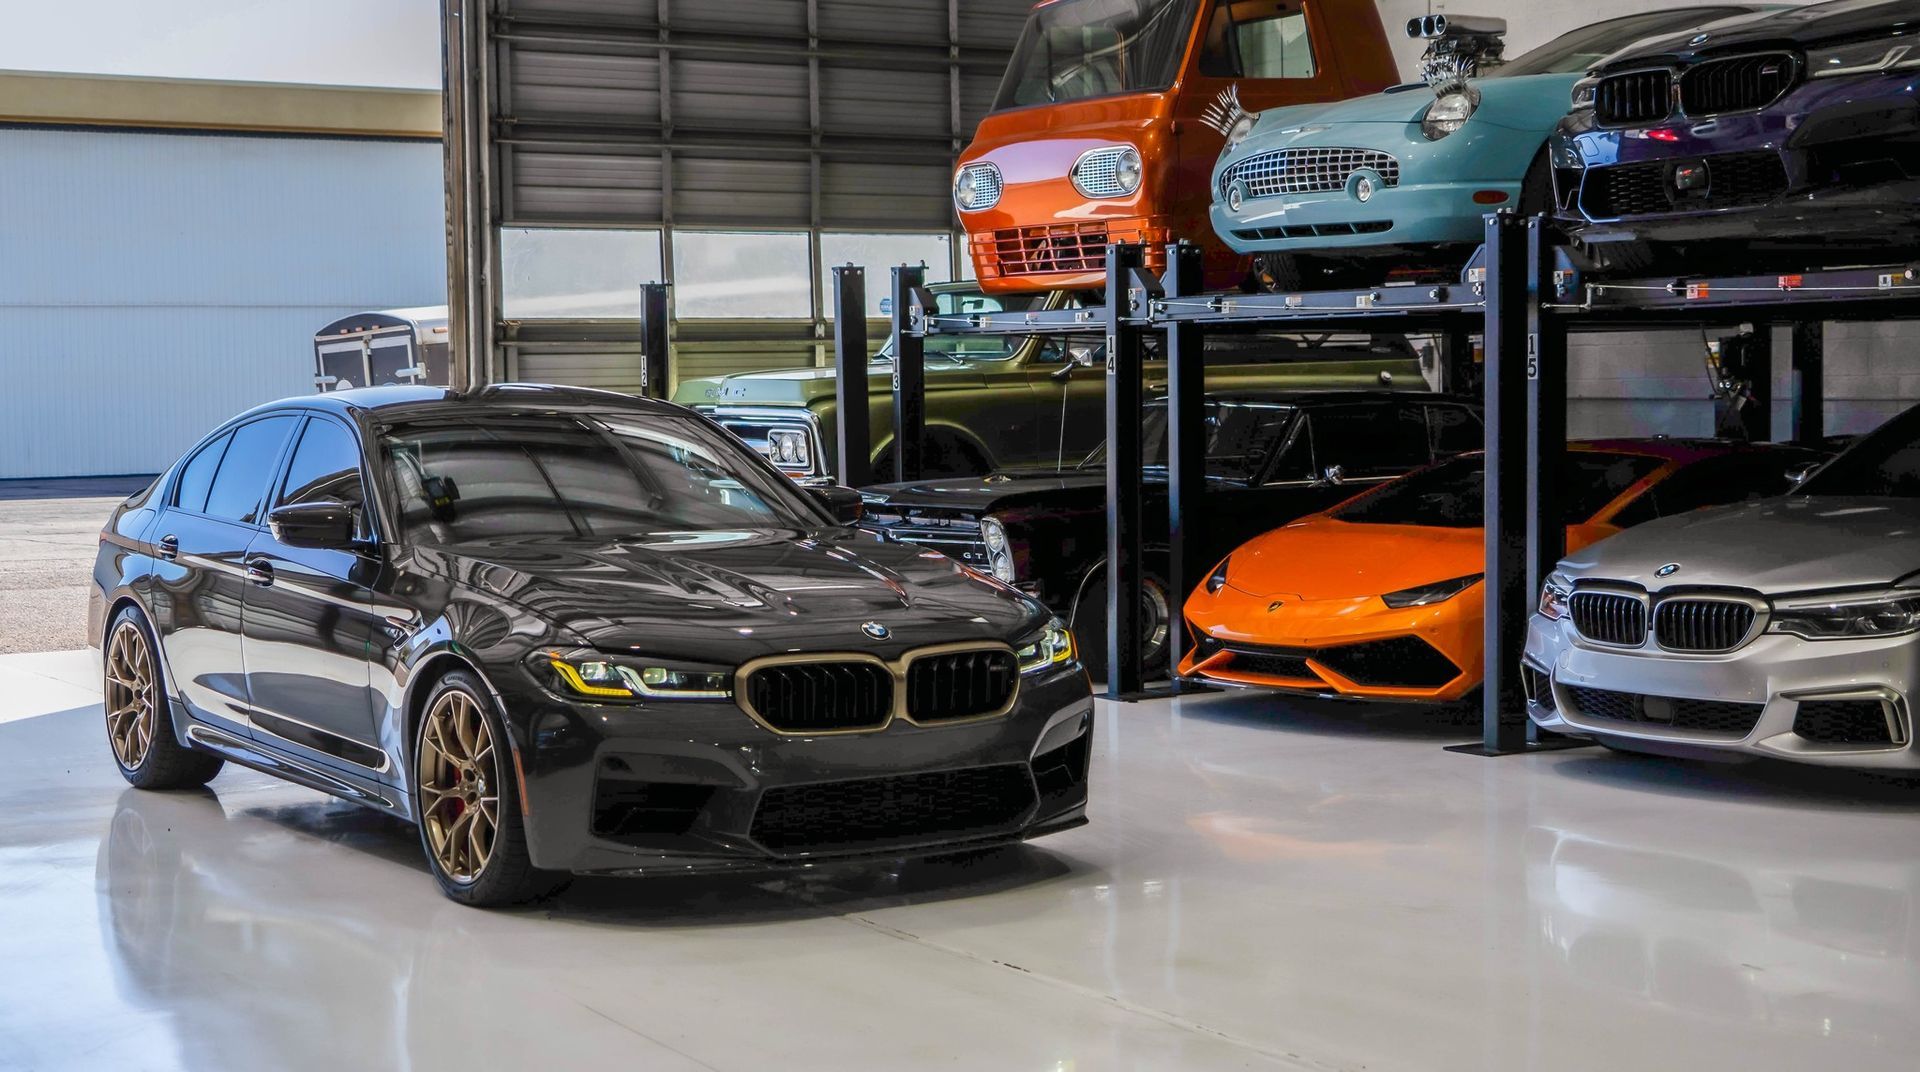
(1526, 302)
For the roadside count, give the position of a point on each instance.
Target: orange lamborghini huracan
(1380, 597)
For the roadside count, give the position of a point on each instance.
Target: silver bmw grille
(1306, 171)
(1609, 618)
(1702, 625)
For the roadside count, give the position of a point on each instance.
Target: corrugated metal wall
(152, 285)
(792, 115)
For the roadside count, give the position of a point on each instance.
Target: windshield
(973, 347)
(1241, 438)
(1076, 49)
(460, 479)
(1577, 50)
(1884, 463)
(1453, 494)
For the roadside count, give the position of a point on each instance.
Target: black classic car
(571, 631)
(1795, 132)
(1272, 456)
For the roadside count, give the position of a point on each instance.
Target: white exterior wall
(152, 285)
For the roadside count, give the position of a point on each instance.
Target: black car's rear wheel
(139, 723)
(467, 806)
(1090, 627)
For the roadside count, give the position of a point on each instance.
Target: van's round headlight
(1448, 113)
(1111, 171)
(977, 187)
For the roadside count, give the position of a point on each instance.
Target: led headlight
(1448, 113)
(1892, 53)
(593, 675)
(1848, 617)
(1554, 595)
(1428, 594)
(1113, 171)
(1052, 647)
(1585, 92)
(999, 550)
(1218, 578)
(976, 187)
(789, 447)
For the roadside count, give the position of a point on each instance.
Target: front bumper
(1419, 214)
(1833, 158)
(1357, 648)
(1063, 255)
(1774, 673)
(699, 786)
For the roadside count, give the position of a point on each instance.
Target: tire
(477, 853)
(1536, 188)
(1281, 273)
(140, 731)
(1090, 626)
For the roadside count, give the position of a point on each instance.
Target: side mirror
(1798, 475)
(324, 524)
(1080, 355)
(843, 503)
(1332, 477)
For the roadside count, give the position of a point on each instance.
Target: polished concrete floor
(1264, 885)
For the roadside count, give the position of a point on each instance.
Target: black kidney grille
(804, 697)
(1609, 618)
(1634, 97)
(1716, 717)
(960, 684)
(1842, 722)
(942, 806)
(1737, 83)
(1705, 625)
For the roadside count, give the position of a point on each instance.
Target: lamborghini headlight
(1448, 113)
(1891, 53)
(1554, 595)
(1848, 616)
(596, 676)
(1428, 594)
(1218, 578)
(999, 551)
(1052, 647)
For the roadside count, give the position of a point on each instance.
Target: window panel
(196, 477)
(878, 254)
(244, 473)
(745, 274)
(325, 467)
(575, 273)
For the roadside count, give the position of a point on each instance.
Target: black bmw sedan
(564, 631)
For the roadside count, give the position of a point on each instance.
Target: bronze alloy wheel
(457, 771)
(131, 704)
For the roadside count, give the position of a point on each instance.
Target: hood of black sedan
(982, 494)
(756, 591)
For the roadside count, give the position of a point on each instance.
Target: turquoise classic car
(1338, 195)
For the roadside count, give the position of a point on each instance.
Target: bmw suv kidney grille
(961, 684)
(1736, 83)
(1610, 618)
(1702, 625)
(822, 696)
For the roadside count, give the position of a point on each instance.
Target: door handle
(259, 573)
(169, 547)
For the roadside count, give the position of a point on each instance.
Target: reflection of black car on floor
(1797, 130)
(1272, 456)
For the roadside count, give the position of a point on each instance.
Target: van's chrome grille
(1609, 618)
(1702, 625)
(1307, 171)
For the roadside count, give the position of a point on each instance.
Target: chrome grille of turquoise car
(1306, 171)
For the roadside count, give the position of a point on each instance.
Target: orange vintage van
(1112, 114)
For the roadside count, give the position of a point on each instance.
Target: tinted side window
(1713, 482)
(1453, 430)
(1258, 39)
(248, 467)
(325, 467)
(1369, 440)
(190, 492)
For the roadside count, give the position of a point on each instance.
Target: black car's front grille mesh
(1733, 180)
(960, 684)
(947, 805)
(1634, 97)
(1843, 722)
(1720, 718)
(1735, 84)
(811, 697)
(1701, 625)
(1610, 617)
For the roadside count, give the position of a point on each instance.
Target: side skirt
(253, 755)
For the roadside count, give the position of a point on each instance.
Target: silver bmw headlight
(1554, 595)
(1848, 616)
(1892, 53)
(977, 186)
(1449, 112)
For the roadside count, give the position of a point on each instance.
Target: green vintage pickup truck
(1003, 402)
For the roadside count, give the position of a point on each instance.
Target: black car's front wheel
(139, 721)
(467, 806)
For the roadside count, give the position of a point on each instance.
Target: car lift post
(1124, 372)
(654, 340)
(853, 407)
(1186, 450)
(1809, 382)
(909, 375)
